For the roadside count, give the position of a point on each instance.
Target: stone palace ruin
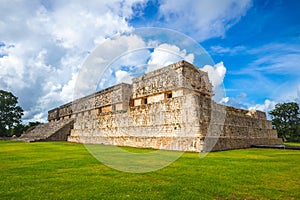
(170, 108)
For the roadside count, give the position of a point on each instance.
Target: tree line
(10, 116)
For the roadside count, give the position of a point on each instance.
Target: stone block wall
(167, 124)
(242, 129)
(170, 108)
(113, 98)
(178, 75)
(189, 123)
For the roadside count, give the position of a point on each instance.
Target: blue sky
(261, 51)
(255, 46)
(265, 65)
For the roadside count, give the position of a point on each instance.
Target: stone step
(53, 131)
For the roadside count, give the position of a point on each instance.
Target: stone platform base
(166, 143)
(178, 144)
(238, 143)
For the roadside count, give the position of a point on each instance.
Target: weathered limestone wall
(189, 123)
(168, 124)
(113, 98)
(170, 78)
(62, 134)
(170, 108)
(164, 112)
(242, 129)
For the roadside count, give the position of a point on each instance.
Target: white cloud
(289, 92)
(45, 43)
(285, 96)
(166, 54)
(272, 58)
(123, 76)
(267, 106)
(227, 50)
(131, 57)
(108, 58)
(73, 24)
(277, 64)
(224, 100)
(204, 18)
(216, 75)
(67, 91)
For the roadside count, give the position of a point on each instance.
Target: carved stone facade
(170, 108)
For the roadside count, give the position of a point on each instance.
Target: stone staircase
(52, 131)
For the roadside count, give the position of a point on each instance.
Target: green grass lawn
(297, 144)
(61, 170)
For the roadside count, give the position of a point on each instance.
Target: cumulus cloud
(137, 59)
(123, 76)
(106, 65)
(166, 54)
(224, 100)
(267, 106)
(216, 75)
(44, 43)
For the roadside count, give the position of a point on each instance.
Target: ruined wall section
(241, 129)
(168, 124)
(113, 98)
(254, 123)
(196, 79)
(164, 113)
(158, 81)
(175, 80)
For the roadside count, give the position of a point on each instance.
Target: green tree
(10, 112)
(285, 118)
(18, 130)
